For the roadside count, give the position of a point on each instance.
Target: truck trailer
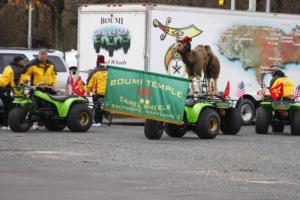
(141, 36)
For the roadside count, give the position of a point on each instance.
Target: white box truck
(141, 37)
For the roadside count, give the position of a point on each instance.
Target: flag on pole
(261, 93)
(69, 85)
(78, 87)
(277, 91)
(296, 93)
(226, 91)
(241, 90)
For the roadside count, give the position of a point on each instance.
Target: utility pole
(268, 6)
(29, 41)
(232, 6)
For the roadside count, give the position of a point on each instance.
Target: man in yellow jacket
(278, 77)
(97, 85)
(10, 79)
(41, 70)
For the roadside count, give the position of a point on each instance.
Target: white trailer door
(119, 36)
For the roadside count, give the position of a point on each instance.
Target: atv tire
(295, 123)
(232, 122)
(208, 124)
(55, 125)
(174, 130)
(80, 118)
(277, 128)
(17, 119)
(263, 119)
(153, 130)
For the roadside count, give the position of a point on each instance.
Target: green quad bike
(205, 116)
(278, 114)
(54, 112)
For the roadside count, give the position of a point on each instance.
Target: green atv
(55, 112)
(278, 114)
(205, 116)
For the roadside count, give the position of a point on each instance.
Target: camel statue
(198, 60)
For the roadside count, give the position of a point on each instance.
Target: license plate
(281, 105)
(222, 104)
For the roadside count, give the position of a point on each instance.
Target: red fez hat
(100, 59)
(186, 40)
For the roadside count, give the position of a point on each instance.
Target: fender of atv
(295, 106)
(193, 113)
(64, 107)
(22, 101)
(278, 106)
(266, 104)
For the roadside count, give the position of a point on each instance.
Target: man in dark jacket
(96, 84)
(10, 79)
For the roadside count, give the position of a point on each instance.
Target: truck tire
(277, 128)
(232, 122)
(174, 130)
(153, 130)
(247, 111)
(17, 119)
(263, 119)
(208, 124)
(80, 118)
(295, 123)
(55, 125)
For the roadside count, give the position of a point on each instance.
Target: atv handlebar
(41, 84)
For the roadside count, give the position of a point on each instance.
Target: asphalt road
(118, 162)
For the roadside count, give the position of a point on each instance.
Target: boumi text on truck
(141, 36)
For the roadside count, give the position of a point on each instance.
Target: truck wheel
(247, 110)
(208, 125)
(153, 130)
(80, 118)
(277, 128)
(17, 120)
(262, 121)
(174, 130)
(295, 125)
(232, 122)
(55, 125)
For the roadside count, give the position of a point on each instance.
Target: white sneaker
(5, 128)
(98, 125)
(35, 126)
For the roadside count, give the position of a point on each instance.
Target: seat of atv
(59, 98)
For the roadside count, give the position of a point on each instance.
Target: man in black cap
(10, 79)
(276, 75)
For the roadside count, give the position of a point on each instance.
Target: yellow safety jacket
(288, 85)
(38, 72)
(8, 79)
(97, 83)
